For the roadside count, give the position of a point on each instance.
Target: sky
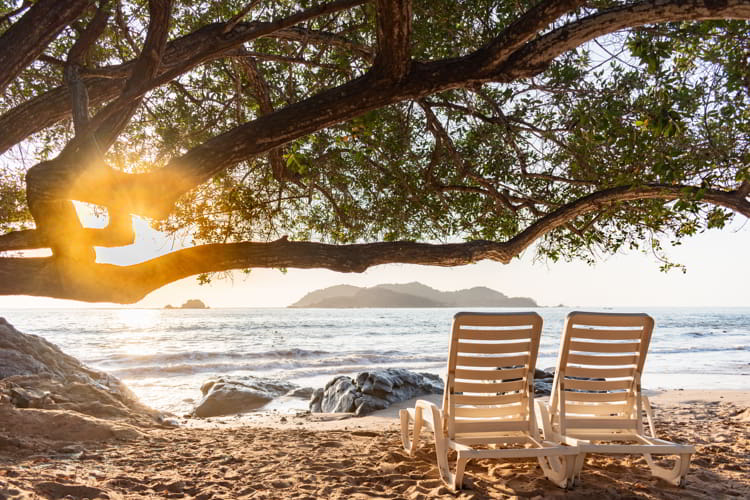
(718, 274)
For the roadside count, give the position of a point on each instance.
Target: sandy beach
(330, 456)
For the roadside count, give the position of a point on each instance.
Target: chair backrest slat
(490, 368)
(601, 360)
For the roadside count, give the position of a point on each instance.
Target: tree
(350, 133)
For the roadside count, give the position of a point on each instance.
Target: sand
(324, 456)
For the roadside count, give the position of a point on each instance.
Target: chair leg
(441, 451)
(458, 478)
(676, 475)
(559, 470)
(410, 445)
(578, 467)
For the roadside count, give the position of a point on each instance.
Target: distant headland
(190, 304)
(408, 295)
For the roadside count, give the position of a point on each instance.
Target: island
(189, 304)
(407, 295)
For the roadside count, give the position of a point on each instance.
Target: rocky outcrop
(377, 390)
(48, 398)
(224, 396)
(372, 391)
(35, 373)
(190, 304)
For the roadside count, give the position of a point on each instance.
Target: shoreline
(388, 419)
(272, 455)
(653, 384)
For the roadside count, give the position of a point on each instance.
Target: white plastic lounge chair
(599, 415)
(489, 398)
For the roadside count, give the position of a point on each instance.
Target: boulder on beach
(372, 391)
(46, 394)
(35, 373)
(225, 396)
(377, 390)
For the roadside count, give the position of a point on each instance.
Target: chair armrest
(434, 413)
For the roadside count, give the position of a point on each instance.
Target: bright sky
(717, 261)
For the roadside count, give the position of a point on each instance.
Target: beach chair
(596, 402)
(489, 399)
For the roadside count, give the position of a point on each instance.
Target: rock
(13, 362)
(300, 392)
(542, 374)
(225, 396)
(542, 387)
(372, 391)
(189, 304)
(62, 426)
(543, 381)
(28, 398)
(194, 304)
(36, 374)
(337, 397)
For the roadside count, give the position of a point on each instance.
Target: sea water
(165, 355)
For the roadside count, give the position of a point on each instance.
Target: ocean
(164, 356)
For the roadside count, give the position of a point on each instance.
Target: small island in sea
(189, 304)
(408, 295)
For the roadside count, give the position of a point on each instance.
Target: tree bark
(393, 34)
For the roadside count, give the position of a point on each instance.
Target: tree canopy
(349, 133)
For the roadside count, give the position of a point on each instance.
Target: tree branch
(76, 55)
(527, 27)
(62, 278)
(608, 197)
(26, 39)
(108, 123)
(534, 58)
(118, 233)
(238, 17)
(263, 97)
(154, 193)
(122, 25)
(180, 56)
(394, 34)
(300, 34)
